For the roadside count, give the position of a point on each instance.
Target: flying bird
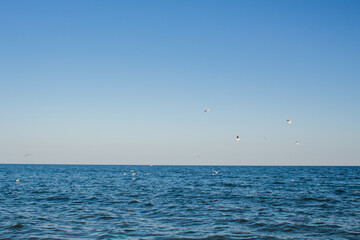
(237, 138)
(288, 121)
(206, 110)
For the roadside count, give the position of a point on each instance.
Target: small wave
(317, 199)
(86, 217)
(217, 237)
(92, 198)
(325, 205)
(58, 199)
(134, 195)
(16, 226)
(106, 217)
(339, 191)
(106, 236)
(240, 220)
(278, 182)
(258, 224)
(229, 184)
(129, 230)
(40, 192)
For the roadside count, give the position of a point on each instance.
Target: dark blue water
(179, 202)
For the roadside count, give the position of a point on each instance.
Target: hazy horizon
(171, 165)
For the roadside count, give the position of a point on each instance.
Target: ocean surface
(179, 202)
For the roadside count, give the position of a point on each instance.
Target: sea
(179, 202)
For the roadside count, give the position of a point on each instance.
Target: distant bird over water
(206, 110)
(237, 138)
(296, 142)
(288, 121)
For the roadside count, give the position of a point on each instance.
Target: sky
(126, 82)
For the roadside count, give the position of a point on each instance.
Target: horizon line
(185, 165)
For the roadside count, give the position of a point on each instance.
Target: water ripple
(163, 202)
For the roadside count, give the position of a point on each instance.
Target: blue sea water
(179, 202)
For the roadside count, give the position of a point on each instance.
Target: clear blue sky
(125, 82)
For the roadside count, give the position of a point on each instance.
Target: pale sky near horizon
(125, 82)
